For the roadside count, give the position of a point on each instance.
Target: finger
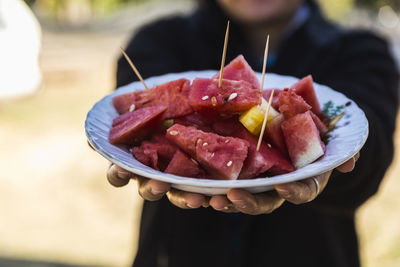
(303, 191)
(117, 176)
(248, 203)
(222, 203)
(152, 190)
(186, 200)
(348, 166)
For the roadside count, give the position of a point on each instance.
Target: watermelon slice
(222, 157)
(291, 104)
(305, 89)
(302, 139)
(273, 134)
(173, 94)
(123, 103)
(156, 153)
(182, 165)
(322, 128)
(275, 99)
(136, 125)
(195, 120)
(227, 127)
(232, 98)
(266, 159)
(239, 70)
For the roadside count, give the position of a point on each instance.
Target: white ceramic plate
(346, 140)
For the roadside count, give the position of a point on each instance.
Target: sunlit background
(56, 206)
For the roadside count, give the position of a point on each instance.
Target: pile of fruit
(204, 130)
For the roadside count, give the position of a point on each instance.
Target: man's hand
(152, 190)
(237, 200)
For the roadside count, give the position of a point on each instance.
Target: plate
(346, 140)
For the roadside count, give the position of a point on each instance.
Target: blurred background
(56, 206)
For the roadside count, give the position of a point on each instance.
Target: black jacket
(320, 233)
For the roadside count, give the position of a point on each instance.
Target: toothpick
(265, 62)
(223, 55)
(134, 69)
(265, 121)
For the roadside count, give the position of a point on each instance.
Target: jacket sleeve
(366, 72)
(154, 50)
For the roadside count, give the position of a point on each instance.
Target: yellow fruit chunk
(253, 118)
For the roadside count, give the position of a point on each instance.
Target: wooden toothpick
(265, 120)
(134, 68)
(223, 55)
(270, 97)
(265, 63)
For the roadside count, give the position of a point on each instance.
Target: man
(318, 233)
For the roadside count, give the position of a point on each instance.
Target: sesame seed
(226, 141)
(132, 108)
(195, 162)
(212, 155)
(269, 145)
(205, 143)
(229, 163)
(204, 97)
(213, 101)
(173, 132)
(232, 96)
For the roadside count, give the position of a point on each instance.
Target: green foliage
(330, 110)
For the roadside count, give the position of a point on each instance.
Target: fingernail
(239, 203)
(190, 206)
(123, 175)
(157, 192)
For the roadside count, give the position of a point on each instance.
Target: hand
(237, 200)
(298, 192)
(152, 190)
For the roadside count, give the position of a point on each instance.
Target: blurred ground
(56, 204)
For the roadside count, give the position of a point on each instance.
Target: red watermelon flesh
(156, 153)
(195, 120)
(239, 70)
(182, 165)
(148, 157)
(222, 157)
(305, 89)
(322, 128)
(173, 94)
(185, 137)
(273, 134)
(122, 103)
(227, 127)
(302, 139)
(137, 125)
(275, 99)
(257, 162)
(291, 104)
(232, 98)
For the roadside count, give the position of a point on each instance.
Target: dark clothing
(320, 233)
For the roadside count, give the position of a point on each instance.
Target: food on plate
(173, 95)
(302, 139)
(234, 97)
(129, 128)
(239, 70)
(221, 156)
(202, 130)
(253, 118)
